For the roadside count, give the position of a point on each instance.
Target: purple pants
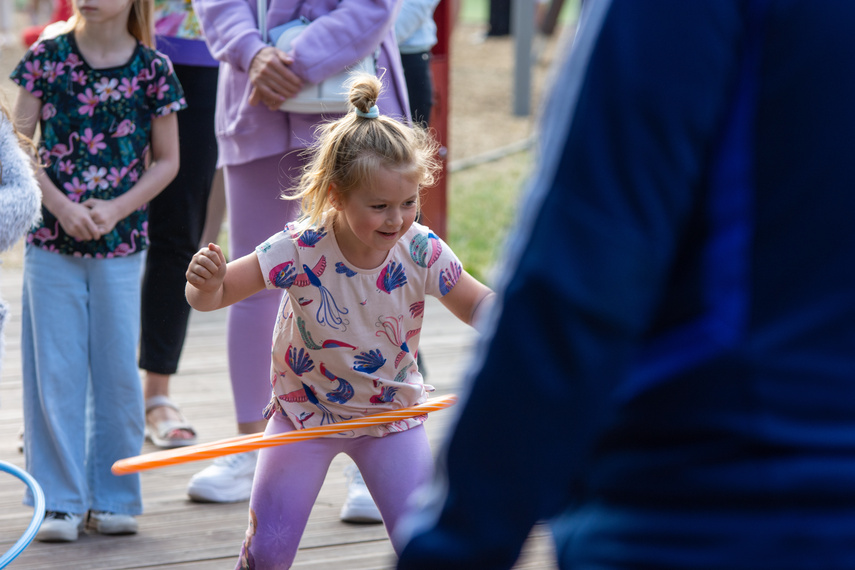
(288, 479)
(256, 212)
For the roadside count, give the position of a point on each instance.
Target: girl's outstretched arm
(74, 218)
(213, 284)
(164, 166)
(469, 300)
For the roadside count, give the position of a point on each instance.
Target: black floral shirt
(95, 134)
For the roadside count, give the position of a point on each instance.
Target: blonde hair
(349, 151)
(140, 22)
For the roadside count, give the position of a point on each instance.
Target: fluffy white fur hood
(20, 196)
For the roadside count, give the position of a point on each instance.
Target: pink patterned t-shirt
(345, 340)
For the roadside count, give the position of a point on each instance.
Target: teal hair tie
(372, 113)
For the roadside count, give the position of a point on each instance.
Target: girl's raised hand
(207, 269)
(210, 286)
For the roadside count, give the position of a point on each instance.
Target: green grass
(474, 11)
(482, 207)
(478, 11)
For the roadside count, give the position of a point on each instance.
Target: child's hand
(207, 269)
(77, 222)
(104, 213)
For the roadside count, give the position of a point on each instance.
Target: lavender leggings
(255, 213)
(289, 477)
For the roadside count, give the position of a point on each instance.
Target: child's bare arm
(74, 218)
(164, 166)
(26, 113)
(469, 300)
(212, 284)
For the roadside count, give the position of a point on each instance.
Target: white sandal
(158, 432)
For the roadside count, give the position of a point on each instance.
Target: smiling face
(372, 217)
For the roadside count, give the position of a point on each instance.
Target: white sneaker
(60, 527)
(104, 522)
(359, 506)
(227, 480)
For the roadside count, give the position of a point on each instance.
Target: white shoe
(104, 522)
(60, 527)
(359, 506)
(227, 480)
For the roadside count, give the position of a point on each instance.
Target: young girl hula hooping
(104, 100)
(355, 269)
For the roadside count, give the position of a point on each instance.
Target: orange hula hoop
(241, 444)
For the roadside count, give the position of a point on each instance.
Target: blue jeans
(83, 405)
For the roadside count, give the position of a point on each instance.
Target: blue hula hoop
(38, 512)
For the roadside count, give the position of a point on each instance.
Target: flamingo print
(329, 313)
(124, 249)
(393, 329)
(148, 75)
(343, 393)
(44, 234)
(60, 150)
(124, 129)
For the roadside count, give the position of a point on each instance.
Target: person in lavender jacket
(259, 151)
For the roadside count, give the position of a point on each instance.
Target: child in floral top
(355, 272)
(105, 103)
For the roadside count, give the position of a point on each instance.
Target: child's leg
(116, 429)
(393, 468)
(255, 213)
(55, 366)
(287, 481)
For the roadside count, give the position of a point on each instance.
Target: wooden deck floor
(176, 533)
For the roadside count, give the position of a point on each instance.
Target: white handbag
(328, 96)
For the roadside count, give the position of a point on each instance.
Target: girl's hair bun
(364, 91)
(348, 152)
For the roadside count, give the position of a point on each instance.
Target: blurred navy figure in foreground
(671, 377)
